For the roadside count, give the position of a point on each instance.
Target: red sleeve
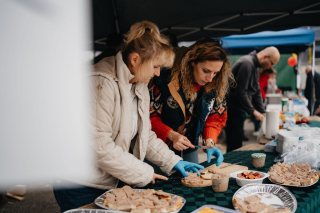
(160, 128)
(213, 125)
(263, 82)
(156, 103)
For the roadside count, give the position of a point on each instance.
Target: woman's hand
(179, 141)
(184, 166)
(156, 176)
(217, 153)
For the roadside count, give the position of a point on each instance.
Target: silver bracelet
(210, 140)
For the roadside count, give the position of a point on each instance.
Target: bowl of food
(244, 177)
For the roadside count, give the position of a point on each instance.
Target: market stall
(286, 41)
(307, 198)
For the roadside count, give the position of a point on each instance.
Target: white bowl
(242, 181)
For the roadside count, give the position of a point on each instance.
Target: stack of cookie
(296, 175)
(253, 204)
(147, 201)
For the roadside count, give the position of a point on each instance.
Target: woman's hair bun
(145, 39)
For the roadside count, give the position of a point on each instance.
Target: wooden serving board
(228, 170)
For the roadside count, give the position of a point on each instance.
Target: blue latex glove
(217, 153)
(182, 166)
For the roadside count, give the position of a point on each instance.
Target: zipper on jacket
(100, 88)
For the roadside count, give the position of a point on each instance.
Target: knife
(203, 147)
(230, 165)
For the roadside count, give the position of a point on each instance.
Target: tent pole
(115, 16)
(313, 64)
(313, 56)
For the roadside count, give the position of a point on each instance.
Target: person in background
(188, 101)
(272, 82)
(246, 96)
(308, 90)
(317, 111)
(120, 121)
(267, 83)
(113, 46)
(316, 92)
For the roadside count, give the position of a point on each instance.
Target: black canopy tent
(191, 20)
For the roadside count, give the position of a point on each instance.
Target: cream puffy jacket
(111, 120)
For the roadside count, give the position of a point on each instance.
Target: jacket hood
(114, 67)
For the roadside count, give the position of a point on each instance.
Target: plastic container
(258, 160)
(271, 146)
(285, 104)
(90, 211)
(274, 98)
(290, 105)
(298, 102)
(218, 208)
(286, 139)
(242, 182)
(290, 118)
(220, 182)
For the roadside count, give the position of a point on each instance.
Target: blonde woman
(120, 118)
(188, 101)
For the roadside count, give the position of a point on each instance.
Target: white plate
(242, 181)
(99, 200)
(271, 194)
(293, 185)
(218, 208)
(90, 211)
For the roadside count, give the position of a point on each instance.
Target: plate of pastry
(213, 209)
(126, 199)
(264, 198)
(297, 175)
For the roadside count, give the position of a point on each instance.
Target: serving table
(308, 198)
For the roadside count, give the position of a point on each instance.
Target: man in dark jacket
(308, 92)
(113, 46)
(309, 87)
(246, 96)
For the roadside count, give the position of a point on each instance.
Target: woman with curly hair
(188, 101)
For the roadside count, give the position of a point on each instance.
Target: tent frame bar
(224, 29)
(115, 16)
(194, 31)
(306, 12)
(281, 15)
(100, 41)
(263, 14)
(264, 22)
(184, 28)
(219, 22)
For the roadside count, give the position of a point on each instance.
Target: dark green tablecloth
(308, 198)
(314, 124)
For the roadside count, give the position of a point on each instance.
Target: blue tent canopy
(293, 37)
(287, 41)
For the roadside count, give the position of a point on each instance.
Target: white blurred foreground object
(19, 190)
(272, 123)
(44, 130)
